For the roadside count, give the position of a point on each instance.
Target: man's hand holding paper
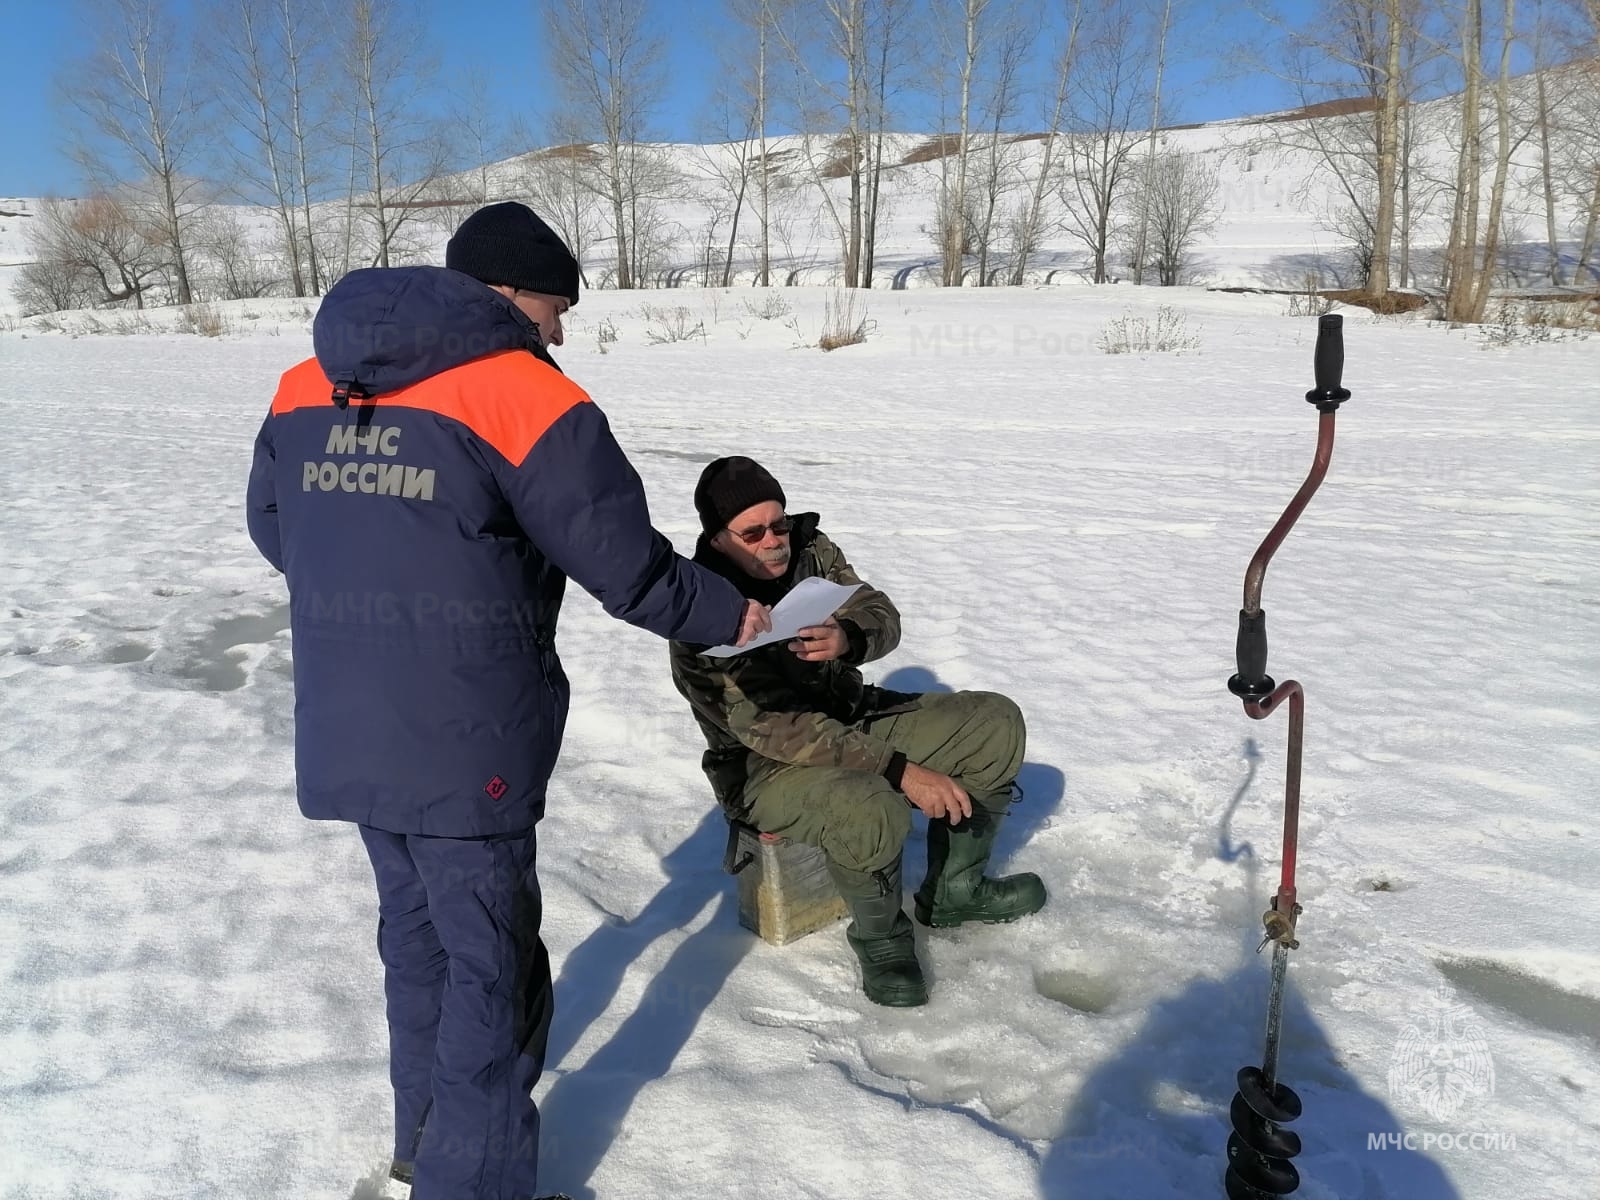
(808, 608)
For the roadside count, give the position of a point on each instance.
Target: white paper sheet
(809, 602)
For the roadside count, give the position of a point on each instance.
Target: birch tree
(1474, 242)
(1028, 224)
(750, 97)
(1364, 52)
(953, 220)
(1000, 151)
(252, 87)
(740, 161)
(608, 60)
(307, 109)
(888, 52)
(844, 56)
(565, 186)
(138, 110)
(1106, 97)
(396, 153)
(1162, 28)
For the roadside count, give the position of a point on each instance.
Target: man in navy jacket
(427, 483)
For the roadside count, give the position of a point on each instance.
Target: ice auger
(1260, 1148)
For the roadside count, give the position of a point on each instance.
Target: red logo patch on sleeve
(496, 788)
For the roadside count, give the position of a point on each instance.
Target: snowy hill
(1277, 222)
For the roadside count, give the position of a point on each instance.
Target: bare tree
(997, 174)
(1473, 250)
(764, 27)
(953, 216)
(396, 154)
(1573, 128)
(478, 140)
(232, 267)
(565, 185)
(1106, 94)
(847, 31)
(887, 60)
(729, 166)
(1029, 220)
(607, 58)
(1163, 27)
(1545, 119)
(1502, 165)
(306, 113)
(733, 155)
(653, 181)
(251, 86)
(1460, 268)
(1178, 203)
(98, 251)
(845, 56)
(1590, 159)
(140, 112)
(1390, 86)
(1355, 67)
(48, 285)
(1414, 197)
(750, 96)
(1583, 170)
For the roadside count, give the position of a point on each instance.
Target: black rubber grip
(1328, 363)
(1330, 352)
(1251, 653)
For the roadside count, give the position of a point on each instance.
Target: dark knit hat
(729, 486)
(508, 244)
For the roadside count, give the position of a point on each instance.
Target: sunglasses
(757, 533)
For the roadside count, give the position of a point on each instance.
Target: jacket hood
(383, 329)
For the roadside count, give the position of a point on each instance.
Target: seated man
(800, 746)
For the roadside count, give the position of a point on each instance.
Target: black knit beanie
(729, 486)
(508, 244)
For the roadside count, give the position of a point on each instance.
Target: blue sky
(500, 38)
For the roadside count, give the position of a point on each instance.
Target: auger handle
(1250, 651)
(1328, 364)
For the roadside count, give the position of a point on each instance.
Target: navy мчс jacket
(427, 527)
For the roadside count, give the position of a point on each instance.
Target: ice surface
(190, 1001)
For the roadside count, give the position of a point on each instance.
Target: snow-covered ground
(190, 1000)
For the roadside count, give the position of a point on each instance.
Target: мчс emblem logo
(1441, 1060)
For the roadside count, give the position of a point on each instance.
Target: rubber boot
(956, 891)
(880, 934)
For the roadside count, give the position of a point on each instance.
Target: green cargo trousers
(855, 817)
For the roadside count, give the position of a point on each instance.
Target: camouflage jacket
(766, 706)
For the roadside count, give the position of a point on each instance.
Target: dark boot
(880, 934)
(955, 890)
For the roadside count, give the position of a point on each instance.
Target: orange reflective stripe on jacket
(508, 399)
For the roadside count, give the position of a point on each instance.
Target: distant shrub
(204, 320)
(663, 325)
(842, 325)
(772, 307)
(1531, 321)
(1130, 334)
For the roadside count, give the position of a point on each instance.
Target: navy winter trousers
(467, 982)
